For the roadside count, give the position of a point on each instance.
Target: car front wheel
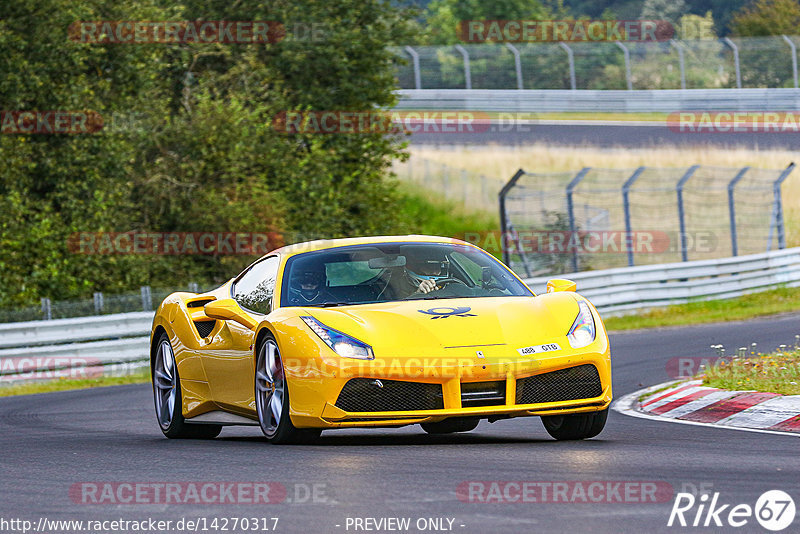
(272, 398)
(576, 426)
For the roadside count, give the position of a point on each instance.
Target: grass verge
(777, 372)
(140, 376)
(770, 302)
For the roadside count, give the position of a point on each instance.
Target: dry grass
(503, 162)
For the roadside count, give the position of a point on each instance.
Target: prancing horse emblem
(444, 313)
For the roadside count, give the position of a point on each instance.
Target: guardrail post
(47, 309)
(467, 72)
(732, 209)
(194, 287)
(681, 212)
(681, 62)
(147, 298)
(571, 211)
(571, 58)
(98, 303)
(736, 65)
(794, 58)
(503, 216)
(628, 75)
(626, 206)
(778, 208)
(517, 64)
(415, 62)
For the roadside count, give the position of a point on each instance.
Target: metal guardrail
(652, 286)
(75, 347)
(532, 101)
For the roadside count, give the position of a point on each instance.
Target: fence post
(194, 287)
(47, 309)
(98, 303)
(571, 57)
(626, 206)
(628, 75)
(415, 62)
(681, 212)
(681, 61)
(467, 73)
(794, 58)
(503, 217)
(779, 207)
(571, 211)
(517, 64)
(147, 298)
(732, 209)
(736, 65)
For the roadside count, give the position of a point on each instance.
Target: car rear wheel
(167, 396)
(576, 426)
(451, 425)
(272, 398)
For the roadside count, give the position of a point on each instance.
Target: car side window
(253, 291)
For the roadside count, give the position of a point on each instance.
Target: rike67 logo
(774, 510)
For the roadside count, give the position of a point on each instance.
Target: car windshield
(386, 272)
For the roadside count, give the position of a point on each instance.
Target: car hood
(420, 327)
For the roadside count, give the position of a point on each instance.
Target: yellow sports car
(378, 332)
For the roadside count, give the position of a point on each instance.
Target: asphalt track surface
(606, 136)
(50, 442)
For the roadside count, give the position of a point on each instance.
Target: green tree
(767, 17)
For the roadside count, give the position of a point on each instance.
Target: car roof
(323, 244)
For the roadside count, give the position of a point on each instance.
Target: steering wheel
(444, 281)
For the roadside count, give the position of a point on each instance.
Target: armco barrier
(124, 338)
(652, 286)
(532, 101)
(52, 346)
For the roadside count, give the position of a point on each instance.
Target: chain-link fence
(146, 299)
(473, 191)
(747, 62)
(605, 218)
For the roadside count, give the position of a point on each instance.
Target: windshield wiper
(332, 304)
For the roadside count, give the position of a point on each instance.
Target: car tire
(272, 398)
(168, 398)
(451, 425)
(576, 426)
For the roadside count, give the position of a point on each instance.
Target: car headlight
(342, 344)
(583, 329)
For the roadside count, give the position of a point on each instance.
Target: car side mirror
(560, 284)
(229, 310)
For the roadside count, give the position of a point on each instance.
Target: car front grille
(483, 393)
(373, 395)
(581, 382)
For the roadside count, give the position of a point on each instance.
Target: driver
(308, 287)
(424, 273)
